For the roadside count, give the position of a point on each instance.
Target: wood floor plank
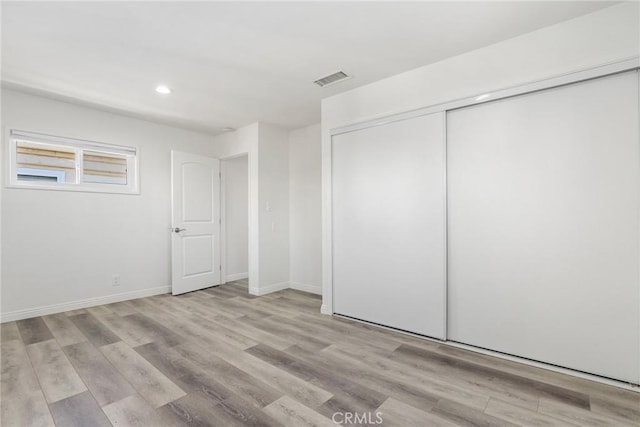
(184, 373)
(273, 326)
(579, 416)
(126, 329)
(624, 398)
(302, 391)
(398, 372)
(617, 409)
(56, 375)
(101, 378)
(123, 308)
(9, 331)
(197, 331)
(468, 380)
(134, 411)
(28, 409)
(80, 410)
(396, 413)
(99, 309)
(521, 416)
(466, 416)
(236, 304)
(23, 402)
(523, 384)
(361, 374)
(63, 329)
(289, 412)
(213, 305)
(242, 384)
(276, 341)
(33, 330)
(352, 401)
(192, 410)
(168, 303)
(156, 330)
(222, 291)
(348, 395)
(223, 334)
(150, 383)
(341, 335)
(95, 331)
(75, 312)
(17, 373)
(262, 304)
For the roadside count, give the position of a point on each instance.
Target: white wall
(236, 216)
(606, 36)
(62, 247)
(273, 199)
(305, 204)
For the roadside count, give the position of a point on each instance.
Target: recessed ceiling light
(163, 90)
(484, 96)
(228, 129)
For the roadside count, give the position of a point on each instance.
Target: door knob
(177, 230)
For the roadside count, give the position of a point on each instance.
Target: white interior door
(543, 226)
(389, 224)
(195, 242)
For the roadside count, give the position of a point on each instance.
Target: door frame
(223, 216)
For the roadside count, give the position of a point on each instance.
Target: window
(57, 163)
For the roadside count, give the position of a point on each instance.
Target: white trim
(236, 276)
(313, 289)
(74, 142)
(638, 76)
(445, 220)
(501, 93)
(264, 290)
(132, 154)
(223, 223)
(325, 309)
(327, 221)
(85, 303)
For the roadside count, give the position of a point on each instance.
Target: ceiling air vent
(332, 79)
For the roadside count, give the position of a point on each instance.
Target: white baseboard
(306, 288)
(85, 303)
(264, 290)
(324, 309)
(237, 276)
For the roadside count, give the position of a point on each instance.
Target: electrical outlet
(115, 280)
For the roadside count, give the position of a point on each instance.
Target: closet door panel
(544, 226)
(389, 224)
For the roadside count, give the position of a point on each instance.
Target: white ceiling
(234, 63)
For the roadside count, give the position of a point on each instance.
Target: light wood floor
(222, 357)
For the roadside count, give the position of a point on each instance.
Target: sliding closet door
(543, 193)
(389, 224)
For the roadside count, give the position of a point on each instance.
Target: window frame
(78, 146)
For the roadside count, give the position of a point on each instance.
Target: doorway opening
(235, 221)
